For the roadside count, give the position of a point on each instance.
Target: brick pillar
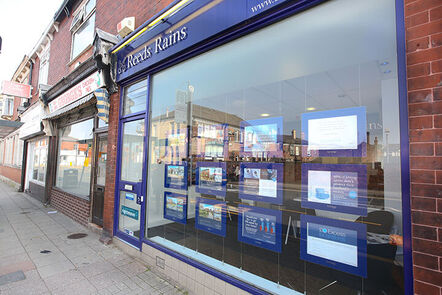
(423, 26)
(111, 164)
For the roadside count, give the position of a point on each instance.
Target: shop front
(35, 152)
(78, 150)
(260, 145)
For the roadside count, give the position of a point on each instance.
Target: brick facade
(13, 173)
(423, 24)
(76, 208)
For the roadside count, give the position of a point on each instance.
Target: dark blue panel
(209, 180)
(260, 227)
(211, 216)
(196, 22)
(262, 182)
(338, 244)
(175, 176)
(262, 137)
(337, 187)
(175, 207)
(359, 151)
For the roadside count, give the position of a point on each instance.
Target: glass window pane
(132, 152)
(74, 158)
(135, 98)
(90, 6)
(83, 37)
(101, 161)
(296, 140)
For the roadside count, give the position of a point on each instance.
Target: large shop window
(289, 138)
(74, 158)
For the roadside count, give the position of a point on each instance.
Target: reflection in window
(83, 37)
(132, 152)
(135, 98)
(229, 110)
(74, 158)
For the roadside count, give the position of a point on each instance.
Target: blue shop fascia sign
(194, 22)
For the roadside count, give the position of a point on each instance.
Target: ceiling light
(265, 115)
(384, 63)
(311, 109)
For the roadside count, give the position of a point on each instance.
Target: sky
(22, 22)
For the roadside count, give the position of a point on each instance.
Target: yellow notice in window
(86, 162)
(70, 164)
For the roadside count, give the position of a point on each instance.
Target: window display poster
(260, 227)
(211, 178)
(335, 187)
(177, 143)
(335, 133)
(175, 207)
(261, 182)
(262, 137)
(213, 140)
(338, 244)
(211, 216)
(176, 176)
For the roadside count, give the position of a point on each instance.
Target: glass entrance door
(131, 177)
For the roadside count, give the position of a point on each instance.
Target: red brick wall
(110, 13)
(74, 207)
(424, 72)
(12, 173)
(60, 52)
(34, 82)
(112, 137)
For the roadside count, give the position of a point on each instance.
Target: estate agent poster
(338, 244)
(261, 182)
(262, 137)
(211, 178)
(335, 133)
(175, 207)
(176, 176)
(212, 139)
(211, 216)
(260, 227)
(335, 187)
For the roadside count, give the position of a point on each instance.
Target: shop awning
(6, 127)
(82, 102)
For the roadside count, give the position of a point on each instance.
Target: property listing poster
(335, 187)
(212, 140)
(175, 207)
(176, 176)
(211, 216)
(334, 243)
(335, 133)
(211, 178)
(260, 227)
(261, 182)
(262, 137)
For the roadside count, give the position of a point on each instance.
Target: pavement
(37, 257)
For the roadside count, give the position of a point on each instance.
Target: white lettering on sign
(83, 88)
(161, 44)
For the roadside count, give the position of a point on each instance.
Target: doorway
(100, 179)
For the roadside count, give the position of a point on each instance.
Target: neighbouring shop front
(260, 142)
(35, 152)
(78, 149)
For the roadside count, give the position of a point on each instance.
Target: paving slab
(83, 266)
